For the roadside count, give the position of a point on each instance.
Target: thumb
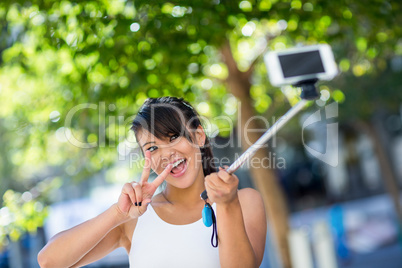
(146, 202)
(144, 205)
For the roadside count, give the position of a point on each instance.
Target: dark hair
(167, 116)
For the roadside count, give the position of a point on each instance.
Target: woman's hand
(221, 187)
(136, 196)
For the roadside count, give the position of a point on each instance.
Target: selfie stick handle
(263, 139)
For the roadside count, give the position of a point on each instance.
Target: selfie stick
(309, 92)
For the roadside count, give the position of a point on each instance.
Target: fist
(221, 187)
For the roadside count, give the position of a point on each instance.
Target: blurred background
(73, 74)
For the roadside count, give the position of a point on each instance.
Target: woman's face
(176, 150)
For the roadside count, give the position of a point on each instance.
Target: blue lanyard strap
(208, 217)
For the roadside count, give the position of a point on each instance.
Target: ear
(200, 136)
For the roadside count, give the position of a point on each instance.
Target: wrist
(118, 215)
(231, 204)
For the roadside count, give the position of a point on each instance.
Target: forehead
(145, 136)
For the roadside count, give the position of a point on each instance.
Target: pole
(263, 139)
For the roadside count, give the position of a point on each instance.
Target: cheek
(196, 158)
(156, 165)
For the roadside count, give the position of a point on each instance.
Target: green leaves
(56, 55)
(25, 212)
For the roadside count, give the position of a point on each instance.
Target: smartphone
(292, 66)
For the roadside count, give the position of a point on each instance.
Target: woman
(166, 230)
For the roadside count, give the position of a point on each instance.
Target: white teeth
(178, 162)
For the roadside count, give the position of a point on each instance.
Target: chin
(183, 176)
(182, 182)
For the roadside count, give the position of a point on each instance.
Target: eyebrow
(147, 143)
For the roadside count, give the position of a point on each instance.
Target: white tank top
(158, 244)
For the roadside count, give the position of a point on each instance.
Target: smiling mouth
(179, 167)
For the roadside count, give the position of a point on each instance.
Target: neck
(187, 197)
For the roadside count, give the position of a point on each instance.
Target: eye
(152, 148)
(173, 137)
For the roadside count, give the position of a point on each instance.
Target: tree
(114, 54)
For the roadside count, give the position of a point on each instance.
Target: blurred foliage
(24, 212)
(95, 62)
(19, 215)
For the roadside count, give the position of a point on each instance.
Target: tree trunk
(265, 179)
(389, 177)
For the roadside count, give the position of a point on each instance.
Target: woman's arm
(241, 221)
(69, 247)
(242, 230)
(96, 237)
(108, 244)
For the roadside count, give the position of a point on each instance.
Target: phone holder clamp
(308, 88)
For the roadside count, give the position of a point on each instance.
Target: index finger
(158, 181)
(224, 175)
(147, 167)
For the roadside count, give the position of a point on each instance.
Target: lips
(179, 168)
(177, 162)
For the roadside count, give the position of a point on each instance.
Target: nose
(167, 156)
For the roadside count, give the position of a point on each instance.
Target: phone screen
(301, 63)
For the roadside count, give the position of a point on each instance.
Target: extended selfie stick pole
(309, 92)
(267, 135)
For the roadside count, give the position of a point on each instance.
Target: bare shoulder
(252, 206)
(250, 199)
